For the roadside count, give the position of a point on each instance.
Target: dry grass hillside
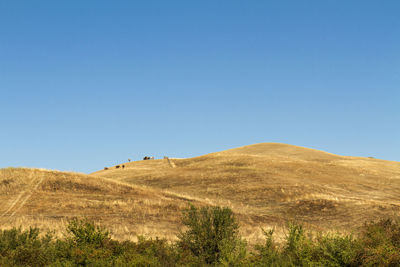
(265, 185)
(268, 184)
(48, 199)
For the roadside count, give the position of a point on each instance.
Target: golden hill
(268, 184)
(47, 199)
(264, 184)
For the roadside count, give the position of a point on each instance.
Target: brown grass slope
(48, 199)
(269, 183)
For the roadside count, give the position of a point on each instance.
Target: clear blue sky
(88, 84)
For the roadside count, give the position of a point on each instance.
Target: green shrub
(83, 232)
(211, 238)
(18, 247)
(336, 250)
(267, 254)
(304, 249)
(13, 238)
(157, 251)
(379, 244)
(212, 235)
(299, 247)
(234, 253)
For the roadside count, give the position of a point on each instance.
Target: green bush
(212, 235)
(211, 238)
(84, 232)
(24, 247)
(267, 254)
(299, 247)
(336, 250)
(155, 251)
(303, 249)
(14, 238)
(379, 244)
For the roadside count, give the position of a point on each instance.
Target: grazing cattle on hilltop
(123, 166)
(105, 168)
(117, 167)
(146, 158)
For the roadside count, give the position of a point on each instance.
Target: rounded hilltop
(282, 150)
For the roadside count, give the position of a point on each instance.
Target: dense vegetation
(211, 237)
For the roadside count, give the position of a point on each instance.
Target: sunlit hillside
(273, 183)
(48, 199)
(266, 185)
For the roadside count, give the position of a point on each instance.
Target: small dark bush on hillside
(212, 235)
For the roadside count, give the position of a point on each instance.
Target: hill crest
(280, 150)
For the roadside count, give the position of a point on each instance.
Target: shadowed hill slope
(274, 183)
